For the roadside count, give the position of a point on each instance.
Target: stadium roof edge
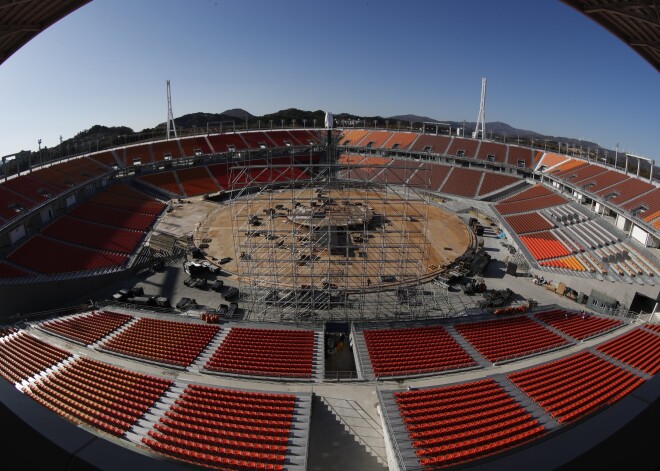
(635, 22)
(22, 20)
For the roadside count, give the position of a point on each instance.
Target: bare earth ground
(443, 236)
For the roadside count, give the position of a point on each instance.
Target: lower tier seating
(226, 429)
(504, 339)
(574, 386)
(459, 423)
(396, 352)
(265, 352)
(578, 325)
(638, 348)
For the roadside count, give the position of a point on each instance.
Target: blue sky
(549, 68)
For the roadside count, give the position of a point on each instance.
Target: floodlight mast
(170, 115)
(481, 124)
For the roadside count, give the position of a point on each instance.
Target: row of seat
(265, 353)
(638, 348)
(178, 343)
(569, 263)
(573, 386)
(578, 325)
(22, 356)
(513, 337)
(414, 351)
(459, 423)
(544, 245)
(87, 328)
(528, 222)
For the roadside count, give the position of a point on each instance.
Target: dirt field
(416, 240)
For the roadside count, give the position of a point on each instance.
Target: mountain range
(100, 137)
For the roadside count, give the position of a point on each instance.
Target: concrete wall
(35, 297)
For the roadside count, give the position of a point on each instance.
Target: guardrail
(390, 429)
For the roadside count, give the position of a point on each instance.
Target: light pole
(314, 122)
(616, 155)
(304, 123)
(38, 142)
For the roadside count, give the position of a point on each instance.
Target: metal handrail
(390, 429)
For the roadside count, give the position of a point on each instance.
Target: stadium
(341, 296)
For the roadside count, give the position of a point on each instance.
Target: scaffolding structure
(329, 242)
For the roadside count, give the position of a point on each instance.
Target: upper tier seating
(257, 140)
(401, 140)
(283, 138)
(161, 150)
(492, 152)
(520, 157)
(625, 191)
(174, 343)
(463, 148)
(565, 168)
(226, 429)
(352, 137)
(227, 142)
(509, 338)
(577, 325)
(431, 143)
(646, 206)
(71, 173)
(550, 160)
(105, 157)
(462, 422)
(376, 139)
(403, 352)
(602, 180)
(574, 386)
(265, 352)
(32, 189)
(577, 175)
(193, 146)
(305, 138)
(12, 205)
(86, 328)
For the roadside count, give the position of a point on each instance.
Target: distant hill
(100, 137)
(414, 118)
